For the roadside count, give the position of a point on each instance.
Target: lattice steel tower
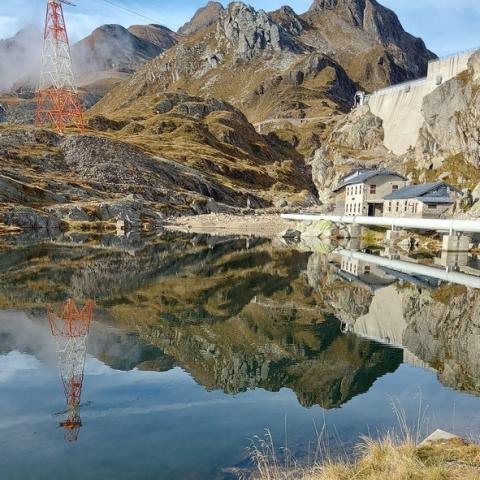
(58, 103)
(70, 330)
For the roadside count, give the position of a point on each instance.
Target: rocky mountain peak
(252, 32)
(289, 20)
(203, 18)
(368, 15)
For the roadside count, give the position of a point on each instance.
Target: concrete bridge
(400, 106)
(455, 230)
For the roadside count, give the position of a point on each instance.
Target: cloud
(14, 363)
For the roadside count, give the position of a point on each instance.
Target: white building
(361, 192)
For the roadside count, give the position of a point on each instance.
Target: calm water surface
(198, 344)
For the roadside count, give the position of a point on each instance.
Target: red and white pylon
(70, 330)
(58, 103)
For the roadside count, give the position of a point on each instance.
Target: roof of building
(416, 191)
(363, 175)
(427, 199)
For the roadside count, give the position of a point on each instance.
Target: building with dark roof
(361, 192)
(429, 200)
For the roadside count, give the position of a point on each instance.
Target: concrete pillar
(392, 235)
(456, 243)
(452, 259)
(355, 231)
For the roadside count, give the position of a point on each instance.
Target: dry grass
(392, 457)
(388, 458)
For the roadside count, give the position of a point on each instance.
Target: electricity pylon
(58, 103)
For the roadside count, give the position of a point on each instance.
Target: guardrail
(439, 225)
(413, 268)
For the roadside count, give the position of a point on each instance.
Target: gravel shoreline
(221, 224)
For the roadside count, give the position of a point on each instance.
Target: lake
(198, 345)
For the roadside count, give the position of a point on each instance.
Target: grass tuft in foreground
(385, 459)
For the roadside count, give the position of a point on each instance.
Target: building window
(394, 188)
(389, 206)
(366, 270)
(373, 189)
(397, 206)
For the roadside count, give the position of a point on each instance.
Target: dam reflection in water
(200, 339)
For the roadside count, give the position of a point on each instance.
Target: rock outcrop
(444, 331)
(250, 32)
(355, 142)
(452, 118)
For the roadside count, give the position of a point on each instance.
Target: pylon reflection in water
(70, 330)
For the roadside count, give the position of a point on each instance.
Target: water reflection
(70, 330)
(336, 328)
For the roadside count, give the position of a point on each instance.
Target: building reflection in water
(70, 329)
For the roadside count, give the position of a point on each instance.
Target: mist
(20, 59)
(109, 48)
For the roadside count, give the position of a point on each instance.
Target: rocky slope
(187, 156)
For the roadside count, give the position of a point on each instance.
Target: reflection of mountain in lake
(241, 314)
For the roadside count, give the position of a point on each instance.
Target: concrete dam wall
(400, 106)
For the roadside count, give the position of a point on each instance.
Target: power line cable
(146, 17)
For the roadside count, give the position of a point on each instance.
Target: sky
(447, 26)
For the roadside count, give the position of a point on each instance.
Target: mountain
(113, 47)
(283, 65)
(112, 53)
(368, 40)
(157, 35)
(203, 18)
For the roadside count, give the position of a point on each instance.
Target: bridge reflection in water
(385, 321)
